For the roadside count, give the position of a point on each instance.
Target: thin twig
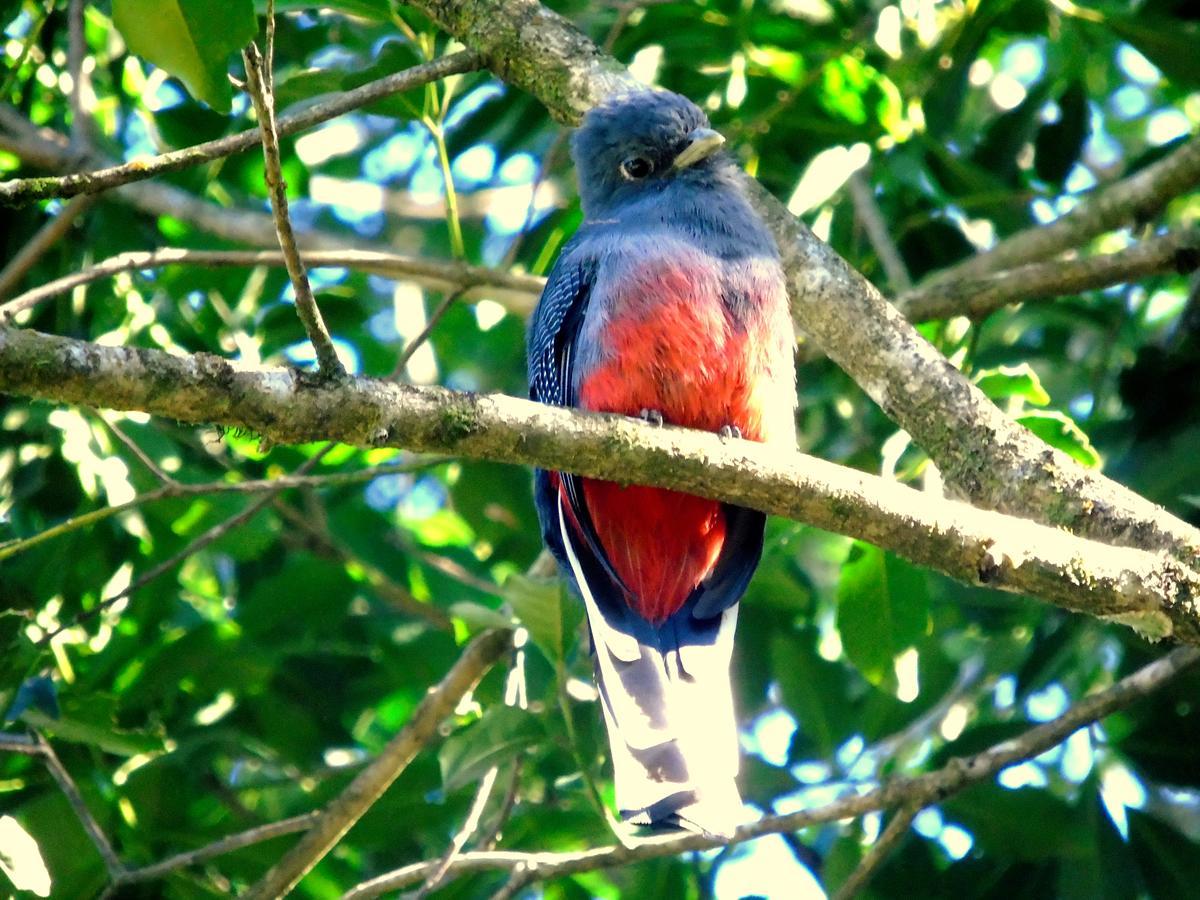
(27, 190)
(132, 446)
(81, 138)
(517, 882)
(470, 825)
(415, 344)
(217, 848)
(922, 789)
(46, 237)
(380, 582)
(346, 809)
(978, 295)
(19, 743)
(489, 839)
(1136, 198)
(281, 483)
(213, 534)
(515, 291)
(258, 79)
(59, 773)
(871, 218)
(896, 829)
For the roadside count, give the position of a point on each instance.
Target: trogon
(669, 304)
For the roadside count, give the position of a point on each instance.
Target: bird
(668, 304)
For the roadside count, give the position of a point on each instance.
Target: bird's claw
(653, 416)
(730, 431)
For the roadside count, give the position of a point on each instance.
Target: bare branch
(1140, 197)
(46, 237)
(19, 743)
(81, 137)
(981, 294)
(217, 848)
(210, 536)
(59, 773)
(258, 80)
(26, 190)
(415, 344)
(862, 195)
(514, 291)
(137, 451)
(896, 829)
(470, 825)
(346, 809)
(284, 482)
(920, 790)
(1144, 588)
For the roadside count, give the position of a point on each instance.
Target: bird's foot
(653, 416)
(730, 431)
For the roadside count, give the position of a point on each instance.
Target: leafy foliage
(250, 682)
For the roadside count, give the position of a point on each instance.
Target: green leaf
(379, 10)
(1167, 42)
(93, 722)
(1002, 821)
(809, 685)
(883, 609)
(1059, 430)
(1169, 862)
(191, 39)
(499, 735)
(478, 617)
(1013, 381)
(545, 610)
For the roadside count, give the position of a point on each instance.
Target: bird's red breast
(678, 349)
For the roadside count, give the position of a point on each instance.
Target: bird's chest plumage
(687, 335)
(706, 343)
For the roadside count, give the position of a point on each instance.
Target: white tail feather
(670, 719)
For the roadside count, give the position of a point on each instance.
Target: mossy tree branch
(1147, 589)
(980, 450)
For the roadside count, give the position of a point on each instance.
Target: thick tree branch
(916, 790)
(26, 190)
(978, 449)
(1147, 589)
(346, 809)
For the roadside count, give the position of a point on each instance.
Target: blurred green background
(251, 681)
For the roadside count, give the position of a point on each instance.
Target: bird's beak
(702, 143)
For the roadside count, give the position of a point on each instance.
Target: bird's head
(637, 144)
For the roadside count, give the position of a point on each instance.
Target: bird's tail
(668, 708)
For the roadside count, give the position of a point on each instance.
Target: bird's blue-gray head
(638, 144)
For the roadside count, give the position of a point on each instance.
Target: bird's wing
(739, 557)
(553, 338)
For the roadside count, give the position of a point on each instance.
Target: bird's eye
(636, 167)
